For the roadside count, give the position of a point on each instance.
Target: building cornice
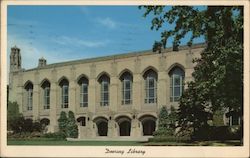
(114, 57)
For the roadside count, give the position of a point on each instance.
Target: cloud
(107, 22)
(31, 51)
(65, 40)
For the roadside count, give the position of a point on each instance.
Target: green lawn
(119, 143)
(73, 143)
(197, 143)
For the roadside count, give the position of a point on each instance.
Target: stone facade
(94, 89)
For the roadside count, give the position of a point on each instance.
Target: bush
(56, 135)
(24, 135)
(37, 126)
(166, 126)
(218, 133)
(72, 128)
(62, 122)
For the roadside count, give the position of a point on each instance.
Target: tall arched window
(104, 83)
(126, 80)
(150, 78)
(176, 83)
(46, 94)
(83, 84)
(64, 84)
(29, 94)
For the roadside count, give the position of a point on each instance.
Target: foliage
(62, 122)
(56, 135)
(72, 128)
(37, 127)
(218, 118)
(166, 126)
(12, 114)
(67, 125)
(17, 124)
(192, 112)
(218, 75)
(218, 133)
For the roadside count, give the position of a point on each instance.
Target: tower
(15, 59)
(42, 62)
(15, 66)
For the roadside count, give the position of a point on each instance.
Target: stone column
(134, 128)
(161, 89)
(137, 93)
(113, 94)
(111, 128)
(53, 108)
(35, 98)
(53, 102)
(92, 90)
(72, 90)
(35, 105)
(137, 82)
(72, 96)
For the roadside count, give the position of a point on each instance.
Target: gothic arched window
(64, 84)
(126, 80)
(176, 83)
(104, 83)
(83, 84)
(29, 94)
(150, 78)
(46, 94)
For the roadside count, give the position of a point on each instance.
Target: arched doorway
(124, 123)
(148, 127)
(45, 123)
(102, 126)
(148, 124)
(125, 128)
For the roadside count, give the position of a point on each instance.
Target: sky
(63, 33)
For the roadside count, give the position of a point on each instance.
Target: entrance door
(148, 127)
(125, 127)
(102, 128)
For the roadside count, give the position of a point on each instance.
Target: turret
(15, 59)
(42, 62)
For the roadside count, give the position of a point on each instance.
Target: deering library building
(112, 96)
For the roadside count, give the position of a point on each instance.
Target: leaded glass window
(150, 78)
(126, 80)
(176, 84)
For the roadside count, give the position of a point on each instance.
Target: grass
(50, 142)
(73, 143)
(196, 143)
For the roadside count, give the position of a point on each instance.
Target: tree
(72, 128)
(166, 125)
(13, 116)
(62, 123)
(67, 125)
(193, 112)
(218, 74)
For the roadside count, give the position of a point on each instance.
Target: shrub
(56, 135)
(166, 126)
(72, 128)
(37, 126)
(218, 133)
(62, 122)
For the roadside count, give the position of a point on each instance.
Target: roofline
(116, 56)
